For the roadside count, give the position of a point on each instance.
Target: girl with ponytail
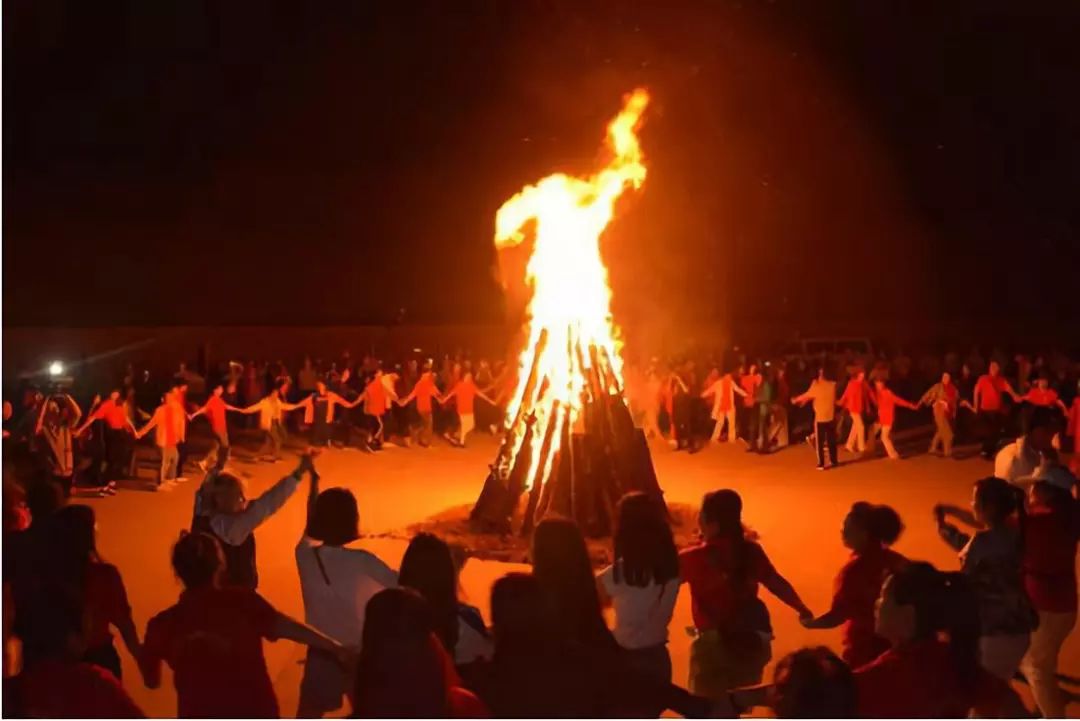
(931, 622)
(991, 559)
(733, 634)
(868, 531)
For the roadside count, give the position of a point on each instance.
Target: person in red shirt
(856, 401)
(988, 408)
(466, 393)
(886, 402)
(73, 561)
(868, 531)
(749, 382)
(212, 639)
(1042, 395)
(733, 631)
(423, 392)
(932, 668)
(215, 410)
(166, 437)
(404, 671)
(118, 435)
(1051, 529)
(374, 396)
(56, 682)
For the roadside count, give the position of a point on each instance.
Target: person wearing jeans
(823, 394)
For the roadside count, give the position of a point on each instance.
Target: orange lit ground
(796, 510)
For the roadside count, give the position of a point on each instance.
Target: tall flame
(572, 335)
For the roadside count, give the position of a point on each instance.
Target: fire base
(590, 472)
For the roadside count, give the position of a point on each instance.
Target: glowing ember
(573, 351)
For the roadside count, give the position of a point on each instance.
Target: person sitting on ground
(232, 518)
(212, 639)
(642, 583)
(73, 561)
(428, 567)
(868, 531)
(56, 681)
(404, 671)
(336, 582)
(991, 558)
(733, 630)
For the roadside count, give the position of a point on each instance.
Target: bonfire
(569, 442)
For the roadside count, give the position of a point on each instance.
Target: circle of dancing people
(917, 641)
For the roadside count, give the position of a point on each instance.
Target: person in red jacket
(886, 402)
(988, 408)
(856, 401)
(119, 433)
(868, 531)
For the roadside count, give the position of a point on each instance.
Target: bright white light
(56, 368)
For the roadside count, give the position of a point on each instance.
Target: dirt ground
(796, 510)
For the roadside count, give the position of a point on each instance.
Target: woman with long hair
(868, 531)
(733, 637)
(561, 567)
(642, 583)
(992, 558)
(930, 620)
(404, 671)
(428, 567)
(75, 563)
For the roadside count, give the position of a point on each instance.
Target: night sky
(199, 162)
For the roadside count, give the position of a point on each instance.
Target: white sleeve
(234, 529)
(1003, 462)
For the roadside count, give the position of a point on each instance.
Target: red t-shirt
(887, 401)
(990, 389)
(1041, 397)
(58, 689)
(1050, 540)
(113, 413)
(425, 390)
(215, 411)
(919, 681)
(465, 392)
(854, 398)
(106, 602)
(212, 640)
(749, 384)
(858, 586)
(375, 398)
(716, 596)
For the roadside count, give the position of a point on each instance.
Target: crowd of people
(384, 642)
(369, 404)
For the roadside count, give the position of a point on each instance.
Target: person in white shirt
(642, 585)
(428, 567)
(822, 392)
(336, 582)
(723, 411)
(271, 410)
(1019, 462)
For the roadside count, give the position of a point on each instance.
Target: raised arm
(234, 529)
(75, 408)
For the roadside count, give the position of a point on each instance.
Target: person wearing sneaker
(166, 438)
